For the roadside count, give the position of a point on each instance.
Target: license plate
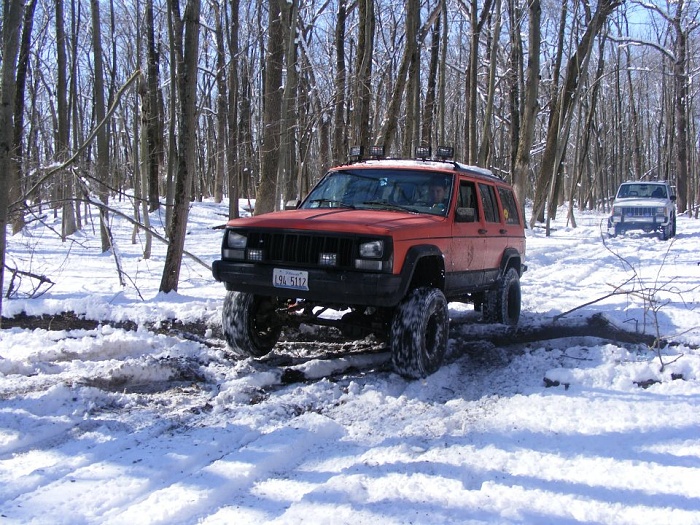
(293, 279)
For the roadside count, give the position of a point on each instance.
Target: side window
(510, 209)
(467, 208)
(488, 199)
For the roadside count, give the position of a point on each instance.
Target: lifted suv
(387, 242)
(648, 206)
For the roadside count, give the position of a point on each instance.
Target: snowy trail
(108, 425)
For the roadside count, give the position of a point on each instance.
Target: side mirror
(673, 198)
(465, 215)
(292, 205)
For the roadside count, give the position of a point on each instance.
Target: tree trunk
(531, 105)
(272, 112)
(234, 131)
(680, 78)
(102, 156)
(186, 160)
(153, 127)
(17, 210)
(428, 132)
(68, 226)
(487, 131)
(12, 11)
(339, 148)
(221, 107)
(361, 123)
(286, 179)
(560, 119)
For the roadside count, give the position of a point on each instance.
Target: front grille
(302, 249)
(633, 211)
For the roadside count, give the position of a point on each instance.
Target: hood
(341, 220)
(643, 202)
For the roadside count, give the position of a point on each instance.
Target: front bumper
(328, 287)
(624, 223)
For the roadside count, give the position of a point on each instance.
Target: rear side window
(510, 209)
(488, 199)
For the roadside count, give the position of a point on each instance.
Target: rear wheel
(250, 323)
(502, 305)
(419, 333)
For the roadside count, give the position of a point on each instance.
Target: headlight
(661, 211)
(372, 249)
(235, 240)
(234, 245)
(617, 210)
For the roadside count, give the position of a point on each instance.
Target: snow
(142, 423)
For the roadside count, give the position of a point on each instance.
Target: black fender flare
(511, 259)
(413, 257)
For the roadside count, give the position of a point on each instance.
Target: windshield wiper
(389, 205)
(340, 204)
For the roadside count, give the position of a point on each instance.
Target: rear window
(510, 208)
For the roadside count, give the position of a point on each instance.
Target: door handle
(482, 231)
(503, 231)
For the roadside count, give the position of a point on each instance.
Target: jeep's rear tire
(419, 333)
(502, 305)
(250, 324)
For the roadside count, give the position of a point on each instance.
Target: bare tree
(12, 12)
(560, 118)
(102, 139)
(187, 35)
(363, 74)
(339, 148)
(17, 214)
(234, 131)
(272, 112)
(152, 117)
(531, 104)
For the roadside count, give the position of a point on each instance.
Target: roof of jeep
(427, 165)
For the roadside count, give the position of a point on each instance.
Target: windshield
(642, 190)
(413, 191)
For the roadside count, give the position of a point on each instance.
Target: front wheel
(419, 333)
(250, 323)
(502, 305)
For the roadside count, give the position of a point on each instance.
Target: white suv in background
(647, 206)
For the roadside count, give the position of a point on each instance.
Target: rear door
(464, 270)
(492, 231)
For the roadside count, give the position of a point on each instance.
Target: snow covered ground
(111, 424)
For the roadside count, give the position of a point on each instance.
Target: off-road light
(255, 254)
(376, 151)
(356, 152)
(423, 152)
(445, 152)
(327, 259)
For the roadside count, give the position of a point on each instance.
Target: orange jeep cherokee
(387, 242)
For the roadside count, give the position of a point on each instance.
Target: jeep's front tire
(419, 333)
(502, 305)
(250, 324)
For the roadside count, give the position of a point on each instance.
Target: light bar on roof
(423, 152)
(445, 152)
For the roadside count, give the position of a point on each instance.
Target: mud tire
(419, 333)
(250, 324)
(502, 305)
